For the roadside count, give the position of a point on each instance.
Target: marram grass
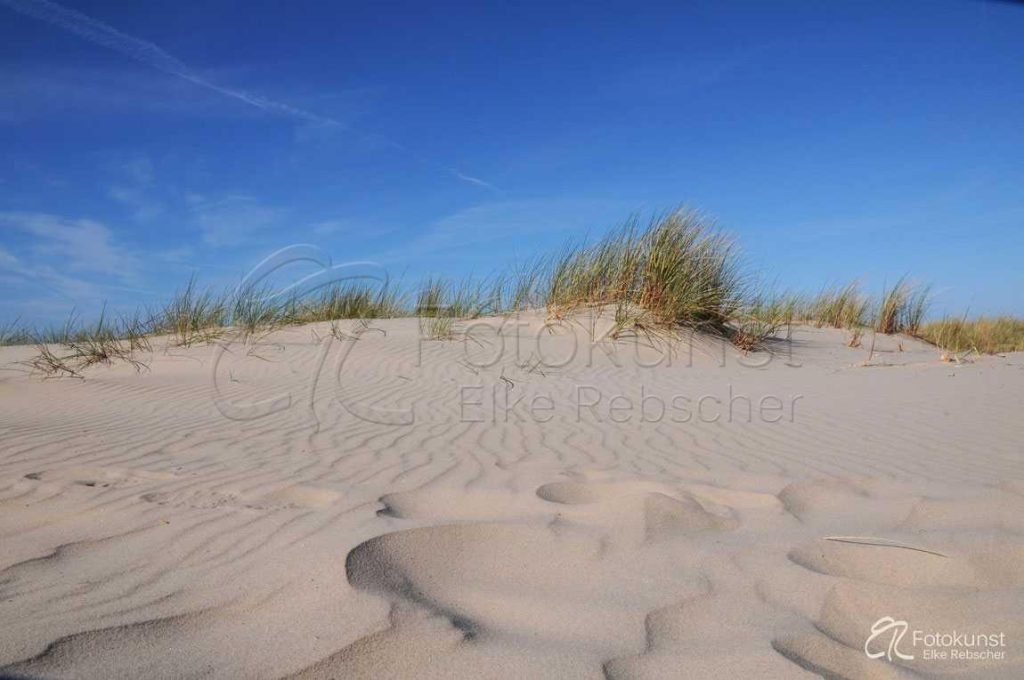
(676, 271)
(985, 335)
(902, 308)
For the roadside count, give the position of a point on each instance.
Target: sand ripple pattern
(144, 534)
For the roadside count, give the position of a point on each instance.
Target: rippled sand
(376, 505)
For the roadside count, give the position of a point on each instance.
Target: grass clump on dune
(193, 316)
(469, 298)
(838, 307)
(902, 308)
(763, 317)
(256, 310)
(69, 350)
(520, 289)
(439, 303)
(436, 319)
(983, 335)
(12, 334)
(353, 301)
(678, 270)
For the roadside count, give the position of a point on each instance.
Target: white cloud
(80, 245)
(230, 220)
(48, 277)
(53, 265)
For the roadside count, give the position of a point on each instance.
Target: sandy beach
(511, 340)
(532, 499)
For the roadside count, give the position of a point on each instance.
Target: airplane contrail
(152, 55)
(147, 53)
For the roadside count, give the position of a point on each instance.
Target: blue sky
(141, 142)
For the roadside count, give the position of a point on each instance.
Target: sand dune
(524, 501)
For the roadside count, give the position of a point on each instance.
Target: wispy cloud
(40, 91)
(48, 278)
(81, 245)
(230, 220)
(7, 261)
(474, 180)
(60, 263)
(148, 53)
(332, 227)
(142, 207)
(135, 191)
(509, 229)
(152, 55)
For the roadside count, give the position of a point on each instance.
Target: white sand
(145, 534)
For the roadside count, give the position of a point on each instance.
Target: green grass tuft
(192, 316)
(679, 270)
(351, 301)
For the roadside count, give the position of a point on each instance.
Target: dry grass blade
(880, 543)
(902, 308)
(101, 343)
(837, 307)
(984, 335)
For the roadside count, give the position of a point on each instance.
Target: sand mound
(459, 509)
